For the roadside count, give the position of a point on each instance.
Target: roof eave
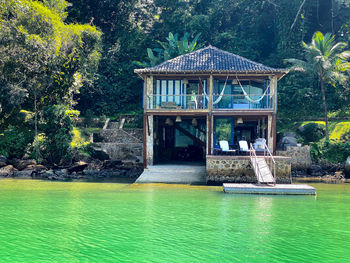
(145, 71)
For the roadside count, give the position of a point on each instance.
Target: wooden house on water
(194, 101)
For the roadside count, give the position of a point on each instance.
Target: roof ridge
(178, 57)
(238, 56)
(210, 58)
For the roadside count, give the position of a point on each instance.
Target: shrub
(336, 152)
(312, 132)
(58, 128)
(330, 151)
(316, 151)
(15, 141)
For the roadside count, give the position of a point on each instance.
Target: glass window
(223, 130)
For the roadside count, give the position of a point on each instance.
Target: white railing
(229, 101)
(197, 101)
(271, 162)
(252, 155)
(177, 102)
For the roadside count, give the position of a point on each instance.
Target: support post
(210, 92)
(274, 133)
(149, 140)
(210, 117)
(144, 141)
(209, 135)
(270, 137)
(148, 99)
(273, 90)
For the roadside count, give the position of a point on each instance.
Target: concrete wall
(300, 156)
(237, 169)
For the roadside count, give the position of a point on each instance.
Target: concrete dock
(278, 189)
(173, 174)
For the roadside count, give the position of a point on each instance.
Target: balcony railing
(200, 102)
(177, 102)
(240, 102)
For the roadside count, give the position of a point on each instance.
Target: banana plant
(171, 48)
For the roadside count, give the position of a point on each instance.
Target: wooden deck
(278, 189)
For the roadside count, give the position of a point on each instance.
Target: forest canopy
(59, 58)
(265, 31)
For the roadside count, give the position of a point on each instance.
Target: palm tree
(325, 59)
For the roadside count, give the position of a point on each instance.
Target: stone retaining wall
(122, 151)
(300, 157)
(237, 169)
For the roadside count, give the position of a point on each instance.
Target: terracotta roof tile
(209, 59)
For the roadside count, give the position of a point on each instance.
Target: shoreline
(131, 180)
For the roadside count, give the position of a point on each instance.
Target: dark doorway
(179, 139)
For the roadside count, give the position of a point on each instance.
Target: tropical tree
(44, 60)
(172, 48)
(325, 59)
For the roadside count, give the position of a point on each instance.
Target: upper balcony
(187, 94)
(201, 102)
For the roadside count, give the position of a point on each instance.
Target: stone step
(113, 125)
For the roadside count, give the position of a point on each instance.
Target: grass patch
(340, 131)
(79, 140)
(318, 122)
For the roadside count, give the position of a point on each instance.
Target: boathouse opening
(179, 139)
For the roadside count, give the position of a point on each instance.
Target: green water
(104, 222)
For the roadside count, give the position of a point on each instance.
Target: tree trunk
(324, 106)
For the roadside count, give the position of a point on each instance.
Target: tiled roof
(210, 59)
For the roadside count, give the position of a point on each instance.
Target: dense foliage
(44, 62)
(328, 151)
(325, 60)
(264, 31)
(79, 55)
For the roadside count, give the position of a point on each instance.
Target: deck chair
(225, 147)
(243, 147)
(259, 146)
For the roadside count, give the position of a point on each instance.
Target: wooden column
(270, 138)
(210, 132)
(148, 123)
(210, 117)
(274, 133)
(148, 94)
(273, 90)
(149, 140)
(144, 153)
(210, 92)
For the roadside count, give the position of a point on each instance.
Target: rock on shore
(80, 170)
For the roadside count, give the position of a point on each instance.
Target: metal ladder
(263, 166)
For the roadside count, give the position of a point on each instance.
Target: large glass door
(223, 130)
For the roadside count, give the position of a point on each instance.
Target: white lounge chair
(225, 148)
(243, 146)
